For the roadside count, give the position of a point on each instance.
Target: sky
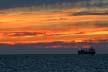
(42, 23)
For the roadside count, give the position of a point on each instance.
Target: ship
(90, 51)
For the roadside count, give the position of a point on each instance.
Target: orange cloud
(52, 26)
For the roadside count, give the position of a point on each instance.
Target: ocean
(53, 63)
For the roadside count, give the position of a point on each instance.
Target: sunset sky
(49, 21)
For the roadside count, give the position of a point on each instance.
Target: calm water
(53, 63)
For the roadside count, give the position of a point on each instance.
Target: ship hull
(82, 53)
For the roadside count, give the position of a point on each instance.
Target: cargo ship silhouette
(90, 51)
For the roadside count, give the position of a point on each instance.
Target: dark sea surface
(53, 63)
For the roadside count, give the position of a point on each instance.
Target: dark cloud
(102, 24)
(21, 33)
(87, 24)
(74, 3)
(80, 33)
(25, 33)
(88, 13)
(24, 3)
